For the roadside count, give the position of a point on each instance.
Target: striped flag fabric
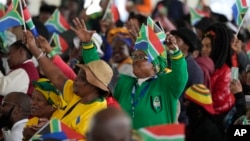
(12, 16)
(155, 46)
(29, 22)
(149, 42)
(58, 43)
(57, 130)
(111, 13)
(2, 10)
(239, 9)
(170, 132)
(197, 15)
(200, 4)
(141, 42)
(57, 23)
(159, 32)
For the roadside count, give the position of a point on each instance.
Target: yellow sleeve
(33, 121)
(67, 91)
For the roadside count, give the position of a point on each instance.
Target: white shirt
(15, 81)
(16, 132)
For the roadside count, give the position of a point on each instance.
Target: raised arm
(55, 75)
(55, 58)
(179, 75)
(89, 51)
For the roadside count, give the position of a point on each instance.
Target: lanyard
(135, 102)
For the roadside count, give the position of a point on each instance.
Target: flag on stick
(58, 43)
(12, 17)
(111, 13)
(239, 10)
(149, 42)
(197, 15)
(57, 23)
(159, 32)
(28, 20)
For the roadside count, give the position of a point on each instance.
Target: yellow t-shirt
(79, 118)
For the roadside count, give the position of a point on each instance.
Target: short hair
(110, 124)
(19, 44)
(22, 100)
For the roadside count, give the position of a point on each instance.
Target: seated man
(14, 112)
(110, 125)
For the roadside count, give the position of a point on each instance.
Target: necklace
(135, 101)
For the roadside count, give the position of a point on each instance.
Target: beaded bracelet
(40, 56)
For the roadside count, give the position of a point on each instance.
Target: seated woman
(85, 94)
(46, 99)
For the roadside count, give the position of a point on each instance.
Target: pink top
(57, 60)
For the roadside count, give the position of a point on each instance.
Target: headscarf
(52, 95)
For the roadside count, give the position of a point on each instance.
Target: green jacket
(155, 100)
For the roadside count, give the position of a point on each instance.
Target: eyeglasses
(139, 57)
(5, 102)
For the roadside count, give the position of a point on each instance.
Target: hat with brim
(200, 94)
(98, 73)
(188, 36)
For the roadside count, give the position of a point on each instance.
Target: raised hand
(171, 42)
(44, 44)
(29, 40)
(133, 30)
(81, 31)
(235, 86)
(236, 45)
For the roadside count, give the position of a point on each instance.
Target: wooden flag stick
(21, 8)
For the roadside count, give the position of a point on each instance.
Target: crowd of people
(108, 83)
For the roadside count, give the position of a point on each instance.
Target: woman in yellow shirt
(85, 95)
(46, 100)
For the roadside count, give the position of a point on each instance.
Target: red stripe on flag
(10, 7)
(26, 14)
(155, 40)
(70, 133)
(244, 3)
(63, 44)
(63, 22)
(170, 129)
(115, 12)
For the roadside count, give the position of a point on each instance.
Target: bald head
(110, 125)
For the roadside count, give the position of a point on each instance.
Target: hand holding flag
(133, 29)
(28, 20)
(239, 8)
(171, 42)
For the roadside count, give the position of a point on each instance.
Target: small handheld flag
(28, 20)
(57, 23)
(12, 17)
